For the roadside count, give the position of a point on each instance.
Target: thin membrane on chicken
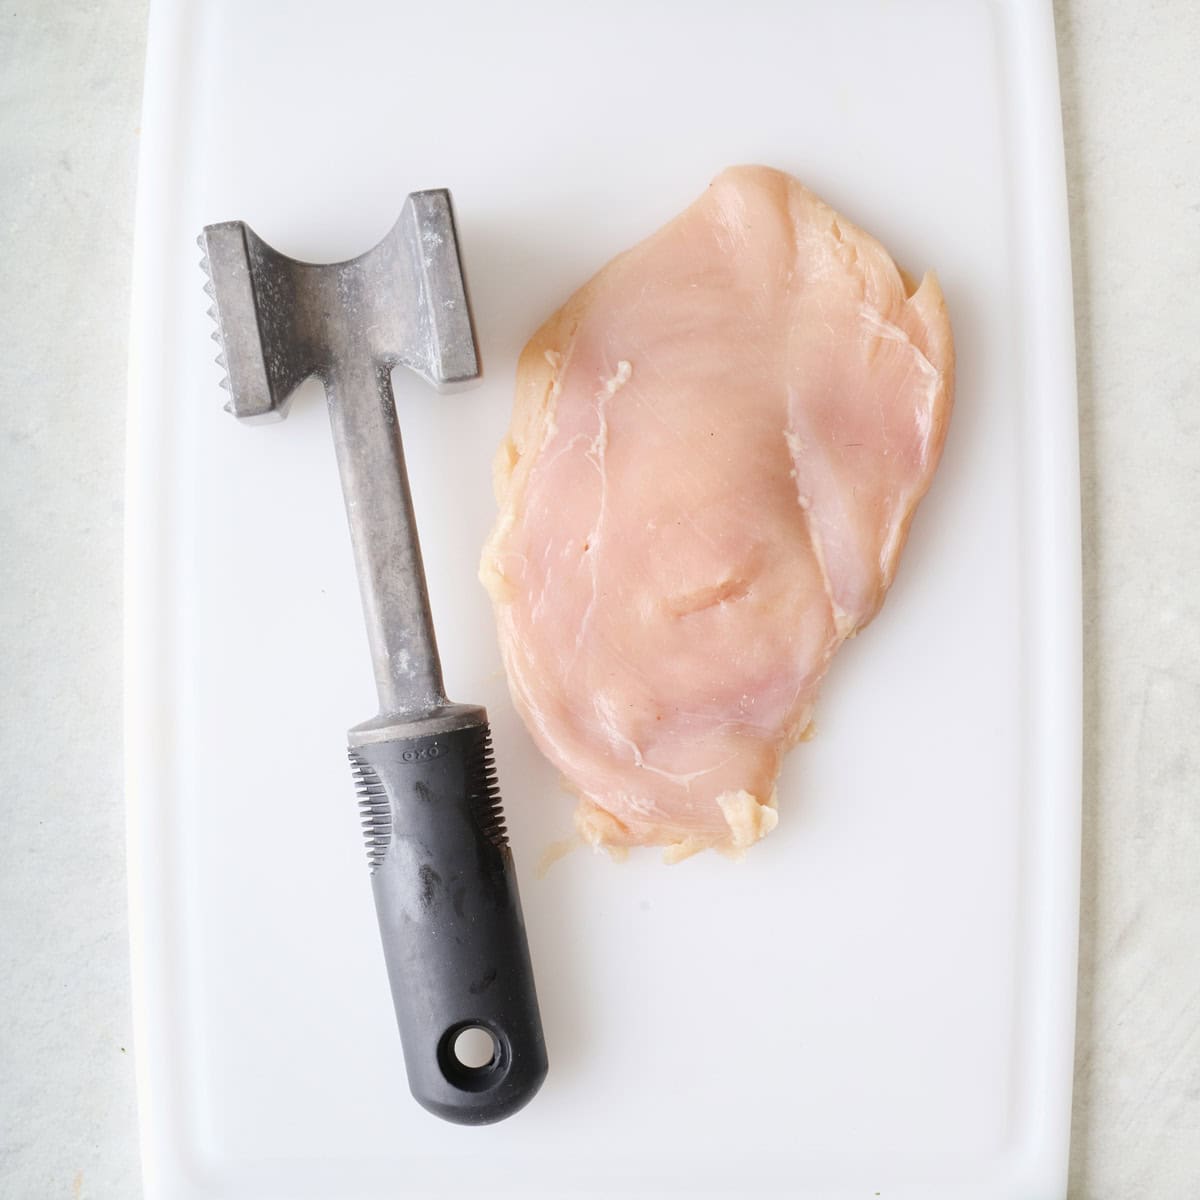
(717, 446)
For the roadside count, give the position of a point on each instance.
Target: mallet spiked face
(441, 868)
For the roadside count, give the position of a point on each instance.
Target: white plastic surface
(879, 1000)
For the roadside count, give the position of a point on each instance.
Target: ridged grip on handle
(450, 919)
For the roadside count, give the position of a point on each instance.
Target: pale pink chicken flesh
(717, 446)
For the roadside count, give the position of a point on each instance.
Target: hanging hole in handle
(473, 1056)
(475, 1048)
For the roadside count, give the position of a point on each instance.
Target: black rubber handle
(450, 918)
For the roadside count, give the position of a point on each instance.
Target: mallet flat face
(441, 869)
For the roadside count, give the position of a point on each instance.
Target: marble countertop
(70, 78)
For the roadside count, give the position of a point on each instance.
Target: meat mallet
(441, 868)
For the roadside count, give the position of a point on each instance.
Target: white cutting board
(879, 1000)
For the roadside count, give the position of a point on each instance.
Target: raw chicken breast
(717, 446)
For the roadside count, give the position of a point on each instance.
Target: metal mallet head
(280, 321)
(441, 869)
